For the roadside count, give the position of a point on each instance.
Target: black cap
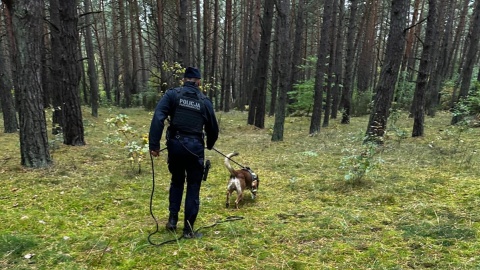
(192, 72)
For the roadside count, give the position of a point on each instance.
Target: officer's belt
(174, 133)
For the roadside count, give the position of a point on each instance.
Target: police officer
(191, 112)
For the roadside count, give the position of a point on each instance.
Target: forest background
(273, 62)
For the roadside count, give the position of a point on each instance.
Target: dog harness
(254, 176)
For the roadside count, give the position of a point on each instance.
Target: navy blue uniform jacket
(166, 107)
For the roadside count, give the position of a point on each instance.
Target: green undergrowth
(417, 209)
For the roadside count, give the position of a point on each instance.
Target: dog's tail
(227, 162)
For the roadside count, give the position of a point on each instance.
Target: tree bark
(215, 54)
(92, 69)
(338, 66)
(320, 70)
(116, 60)
(254, 36)
(27, 24)
(207, 43)
(366, 58)
(56, 75)
(227, 56)
(439, 59)
(471, 56)
(347, 91)
(331, 64)
(182, 34)
(106, 65)
(160, 44)
(10, 124)
(127, 69)
(133, 52)
(283, 11)
(298, 41)
(275, 70)
(73, 133)
(388, 76)
(258, 99)
(410, 37)
(197, 60)
(459, 33)
(141, 49)
(418, 107)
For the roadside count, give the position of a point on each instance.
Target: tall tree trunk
(410, 37)
(127, 69)
(320, 70)
(27, 24)
(182, 33)
(245, 65)
(297, 46)
(418, 107)
(227, 55)
(284, 68)
(275, 70)
(133, 50)
(46, 63)
(10, 124)
(116, 54)
(215, 53)
(251, 52)
(388, 76)
(439, 60)
(106, 56)
(56, 70)
(259, 95)
(347, 91)
(459, 34)
(417, 45)
(73, 133)
(207, 44)
(338, 66)
(198, 35)
(366, 58)
(160, 44)
(471, 56)
(331, 64)
(141, 49)
(92, 69)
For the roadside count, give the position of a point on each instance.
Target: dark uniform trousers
(185, 156)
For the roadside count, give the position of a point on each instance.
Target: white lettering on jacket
(190, 104)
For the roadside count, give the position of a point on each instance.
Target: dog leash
(229, 158)
(227, 219)
(151, 196)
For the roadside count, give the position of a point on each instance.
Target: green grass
(90, 210)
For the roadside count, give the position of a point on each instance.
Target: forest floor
(417, 208)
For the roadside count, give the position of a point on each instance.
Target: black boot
(172, 222)
(189, 233)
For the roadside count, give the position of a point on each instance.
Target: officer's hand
(154, 153)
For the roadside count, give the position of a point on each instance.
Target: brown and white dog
(239, 181)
